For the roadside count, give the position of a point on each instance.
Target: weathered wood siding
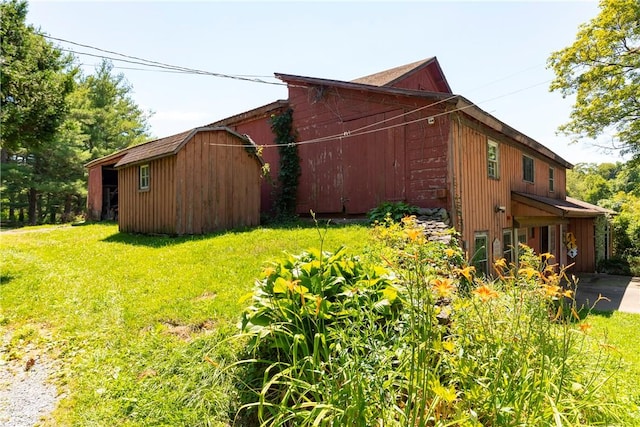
(429, 79)
(477, 195)
(152, 210)
(94, 193)
(584, 230)
(258, 128)
(217, 184)
(352, 174)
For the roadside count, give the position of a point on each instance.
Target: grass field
(134, 319)
(141, 325)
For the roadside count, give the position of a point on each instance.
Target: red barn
(402, 135)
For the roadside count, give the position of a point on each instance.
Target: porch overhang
(530, 210)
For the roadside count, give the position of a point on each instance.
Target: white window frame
(524, 168)
(479, 261)
(552, 179)
(493, 165)
(144, 177)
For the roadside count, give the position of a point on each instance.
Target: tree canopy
(54, 120)
(602, 69)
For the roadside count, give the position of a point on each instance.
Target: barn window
(493, 156)
(552, 173)
(144, 177)
(480, 258)
(527, 168)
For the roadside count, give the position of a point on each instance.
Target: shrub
(394, 210)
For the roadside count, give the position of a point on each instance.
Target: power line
(150, 63)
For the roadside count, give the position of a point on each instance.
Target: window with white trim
(527, 168)
(480, 258)
(552, 175)
(144, 177)
(493, 160)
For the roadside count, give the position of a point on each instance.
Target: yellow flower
(485, 293)
(268, 271)
(443, 287)
(551, 291)
(409, 220)
(413, 234)
(529, 272)
(500, 264)
(546, 256)
(466, 272)
(449, 252)
(449, 346)
(568, 293)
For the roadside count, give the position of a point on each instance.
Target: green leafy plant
(394, 210)
(289, 172)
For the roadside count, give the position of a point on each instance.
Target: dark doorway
(109, 193)
(544, 239)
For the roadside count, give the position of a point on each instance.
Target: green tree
(106, 113)
(602, 68)
(35, 80)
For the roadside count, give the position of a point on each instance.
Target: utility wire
(147, 62)
(164, 67)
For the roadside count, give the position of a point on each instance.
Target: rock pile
(436, 224)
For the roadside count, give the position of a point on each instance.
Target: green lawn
(141, 325)
(135, 319)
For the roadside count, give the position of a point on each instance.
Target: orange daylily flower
(500, 263)
(466, 272)
(443, 287)
(529, 272)
(414, 234)
(485, 293)
(585, 327)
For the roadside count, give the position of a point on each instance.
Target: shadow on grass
(5, 279)
(159, 241)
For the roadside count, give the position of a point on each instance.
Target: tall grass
(339, 340)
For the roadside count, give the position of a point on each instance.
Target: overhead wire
(169, 68)
(156, 64)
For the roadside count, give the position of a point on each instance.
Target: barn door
(373, 164)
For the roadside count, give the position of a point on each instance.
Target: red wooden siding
(429, 79)
(353, 174)
(255, 123)
(152, 210)
(584, 231)
(478, 195)
(94, 195)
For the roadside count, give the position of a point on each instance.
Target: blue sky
(493, 53)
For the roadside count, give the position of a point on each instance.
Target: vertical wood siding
(353, 174)
(478, 194)
(583, 229)
(94, 193)
(152, 210)
(259, 129)
(217, 186)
